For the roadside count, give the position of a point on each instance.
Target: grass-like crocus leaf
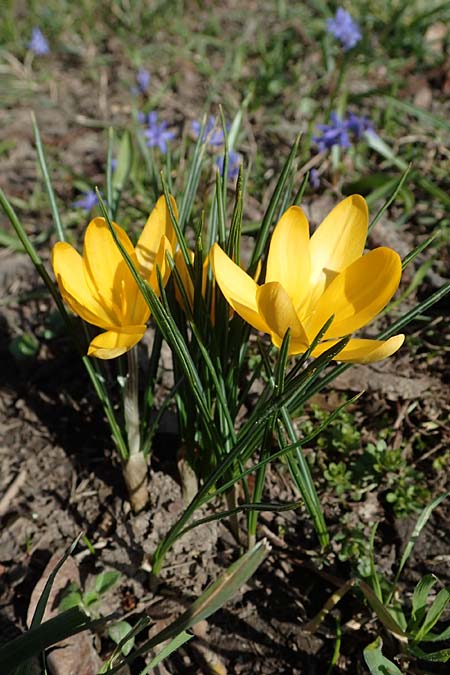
(47, 181)
(209, 602)
(15, 654)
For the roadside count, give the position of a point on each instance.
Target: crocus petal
(185, 278)
(157, 225)
(338, 241)
(113, 343)
(358, 293)
(107, 273)
(68, 267)
(238, 288)
(161, 264)
(363, 351)
(277, 310)
(288, 260)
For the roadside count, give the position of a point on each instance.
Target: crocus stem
(134, 469)
(131, 403)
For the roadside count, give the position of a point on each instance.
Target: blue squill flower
(156, 133)
(344, 28)
(143, 78)
(38, 43)
(87, 201)
(314, 179)
(214, 136)
(334, 133)
(358, 126)
(234, 162)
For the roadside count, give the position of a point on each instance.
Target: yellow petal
(288, 260)
(364, 351)
(277, 310)
(161, 264)
(238, 288)
(186, 280)
(107, 273)
(157, 225)
(358, 293)
(111, 344)
(68, 267)
(338, 241)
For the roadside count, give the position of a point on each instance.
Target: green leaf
(420, 113)
(376, 143)
(434, 613)
(119, 632)
(263, 233)
(376, 662)
(420, 597)
(441, 656)
(210, 601)
(36, 640)
(71, 598)
(105, 581)
(167, 650)
(24, 346)
(382, 611)
(420, 524)
(48, 183)
(90, 597)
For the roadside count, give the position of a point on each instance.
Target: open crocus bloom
(310, 279)
(99, 287)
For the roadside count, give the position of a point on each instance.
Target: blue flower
(38, 43)
(358, 125)
(214, 136)
(143, 78)
(344, 28)
(156, 132)
(314, 179)
(335, 133)
(234, 162)
(87, 201)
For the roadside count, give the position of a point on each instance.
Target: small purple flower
(234, 162)
(314, 179)
(143, 78)
(215, 137)
(113, 164)
(87, 201)
(358, 125)
(334, 133)
(156, 132)
(38, 42)
(344, 28)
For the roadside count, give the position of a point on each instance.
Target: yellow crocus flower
(99, 287)
(310, 279)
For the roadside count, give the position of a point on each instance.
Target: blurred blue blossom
(358, 125)
(234, 162)
(334, 133)
(38, 42)
(143, 78)
(156, 133)
(87, 201)
(214, 136)
(344, 28)
(314, 179)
